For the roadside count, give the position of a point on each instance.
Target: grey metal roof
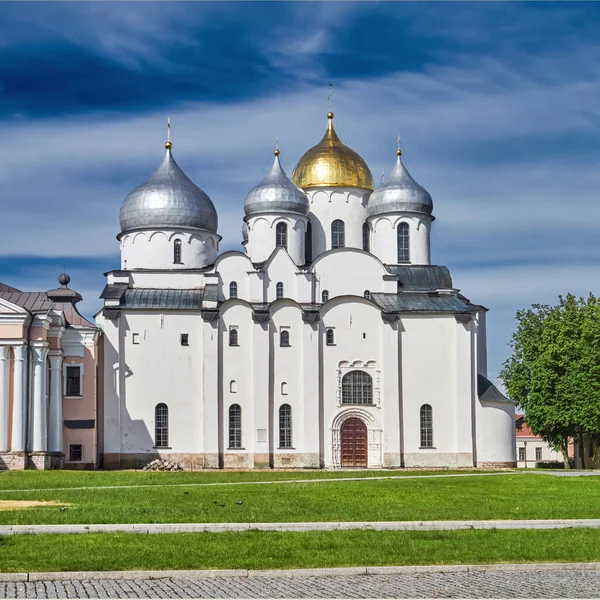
(114, 291)
(7, 288)
(159, 298)
(31, 301)
(168, 198)
(211, 292)
(400, 193)
(487, 391)
(417, 302)
(276, 193)
(422, 277)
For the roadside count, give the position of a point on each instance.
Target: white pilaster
(40, 425)
(18, 417)
(55, 436)
(4, 403)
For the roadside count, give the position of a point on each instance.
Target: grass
(507, 496)
(270, 550)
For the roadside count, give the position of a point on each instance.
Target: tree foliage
(554, 370)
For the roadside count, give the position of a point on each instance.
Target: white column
(4, 403)
(55, 435)
(18, 417)
(40, 425)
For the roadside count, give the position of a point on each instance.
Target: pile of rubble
(163, 465)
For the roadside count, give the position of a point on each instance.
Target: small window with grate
(330, 337)
(325, 296)
(233, 337)
(426, 426)
(75, 452)
(233, 289)
(177, 252)
(284, 338)
(185, 339)
(235, 426)
(279, 290)
(161, 425)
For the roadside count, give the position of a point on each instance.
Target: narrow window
(73, 381)
(330, 337)
(366, 240)
(538, 454)
(135, 338)
(232, 387)
(281, 235)
(367, 294)
(308, 243)
(284, 388)
(403, 243)
(325, 296)
(279, 290)
(233, 337)
(338, 237)
(177, 252)
(426, 426)
(185, 339)
(233, 290)
(357, 388)
(285, 426)
(235, 426)
(284, 338)
(75, 452)
(161, 424)
(521, 454)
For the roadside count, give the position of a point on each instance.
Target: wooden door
(354, 443)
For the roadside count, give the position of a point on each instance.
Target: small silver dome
(400, 193)
(167, 199)
(276, 193)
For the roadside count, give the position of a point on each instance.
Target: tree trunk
(581, 449)
(565, 452)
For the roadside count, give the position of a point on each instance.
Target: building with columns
(332, 341)
(48, 382)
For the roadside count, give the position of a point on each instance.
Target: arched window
(285, 426)
(367, 294)
(235, 426)
(161, 426)
(338, 237)
(177, 252)
(233, 337)
(357, 388)
(279, 290)
(232, 387)
(330, 337)
(308, 243)
(325, 296)
(281, 235)
(366, 240)
(233, 289)
(284, 338)
(403, 243)
(426, 426)
(284, 388)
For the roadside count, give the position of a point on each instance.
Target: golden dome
(330, 163)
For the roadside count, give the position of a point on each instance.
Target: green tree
(554, 370)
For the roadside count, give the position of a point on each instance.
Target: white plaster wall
(496, 436)
(384, 238)
(262, 238)
(153, 249)
(179, 280)
(234, 266)
(358, 343)
(548, 454)
(349, 272)
(159, 369)
(280, 269)
(328, 204)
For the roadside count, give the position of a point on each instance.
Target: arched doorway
(354, 443)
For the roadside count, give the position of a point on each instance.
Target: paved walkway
(318, 526)
(270, 482)
(499, 582)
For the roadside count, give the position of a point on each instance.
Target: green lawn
(508, 496)
(268, 550)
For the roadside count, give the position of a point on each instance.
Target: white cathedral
(331, 342)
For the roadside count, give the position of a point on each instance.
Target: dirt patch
(23, 504)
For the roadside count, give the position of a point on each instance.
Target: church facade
(332, 341)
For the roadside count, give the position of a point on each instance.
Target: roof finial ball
(276, 152)
(398, 152)
(64, 280)
(168, 145)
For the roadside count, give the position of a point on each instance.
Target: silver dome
(276, 193)
(400, 193)
(168, 198)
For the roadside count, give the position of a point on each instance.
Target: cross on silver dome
(168, 199)
(400, 193)
(276, 193)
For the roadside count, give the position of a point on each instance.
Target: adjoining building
(48, 380)
(332, 341)
(532, 450)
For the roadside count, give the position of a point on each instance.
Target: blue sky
(498, 106)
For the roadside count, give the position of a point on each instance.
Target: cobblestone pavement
(496, 584)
